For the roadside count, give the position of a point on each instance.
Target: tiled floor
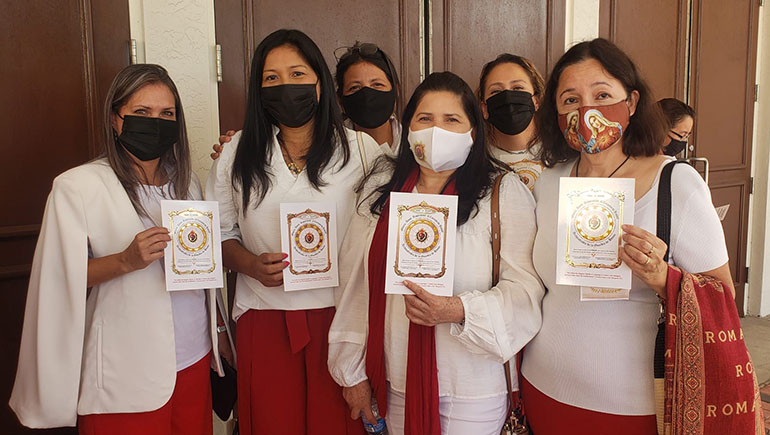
(757, 333)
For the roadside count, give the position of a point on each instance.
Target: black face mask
(290, 105)
(369, 107)
(675, 147)
(511, 111)
(148, 138)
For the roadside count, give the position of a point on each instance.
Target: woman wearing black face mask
(293, 148)
(104, 343)
(681, 118)
(510, 90)
(368, 90)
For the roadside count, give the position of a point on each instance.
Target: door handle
(693, 160)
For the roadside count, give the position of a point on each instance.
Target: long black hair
(251, 170)
(646, 129)
(474, 178)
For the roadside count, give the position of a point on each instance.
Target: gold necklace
(293, 167)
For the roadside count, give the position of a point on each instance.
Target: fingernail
(285, 263)
(285, 255)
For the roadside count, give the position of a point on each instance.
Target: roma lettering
(727, 336)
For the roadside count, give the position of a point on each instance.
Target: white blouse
(598, 355)
(524, 163)
(259, 229)
(499, 320)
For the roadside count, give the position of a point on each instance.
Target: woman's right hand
(146, 247)
(359, 399)
(225, 138)
(268, 268)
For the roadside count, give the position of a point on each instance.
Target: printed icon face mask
(593, 129)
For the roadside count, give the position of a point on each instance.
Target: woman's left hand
(427, 309)
(223, 345)
(643, 253)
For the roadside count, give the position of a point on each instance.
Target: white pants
(458, 416)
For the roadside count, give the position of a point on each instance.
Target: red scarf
(422, 416)
(710, 384)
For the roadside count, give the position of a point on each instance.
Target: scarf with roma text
(421, 414)
(709, 384)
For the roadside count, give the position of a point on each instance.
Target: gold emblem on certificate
(193, 258)
(308, 236)
(591, 214)
(421, 242)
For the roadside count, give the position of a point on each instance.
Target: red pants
(284, 386)
(187, 412)
(547, 416)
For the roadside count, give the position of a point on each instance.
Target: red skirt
(284, 385)
(187, 412)
(547, 416)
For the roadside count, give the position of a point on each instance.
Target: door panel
(64, 55)
(469, 33)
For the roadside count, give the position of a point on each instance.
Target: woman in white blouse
(594, 360)
(377, 341)
(293, 148)
(104, 343)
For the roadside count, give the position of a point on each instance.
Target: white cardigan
(112, 353)
(499, 320)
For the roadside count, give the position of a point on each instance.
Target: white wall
(179, 35)
(582, 21)
(758, 300)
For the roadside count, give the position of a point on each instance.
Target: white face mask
(439, 149)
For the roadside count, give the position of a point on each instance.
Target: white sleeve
(697, 238)
(219, 187)
(501, 320)
(349, 329)
(45, 393)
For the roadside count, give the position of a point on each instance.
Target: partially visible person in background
(681, 118)
(368, 90)
(510, 90)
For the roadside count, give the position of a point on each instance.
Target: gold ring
(648, 261)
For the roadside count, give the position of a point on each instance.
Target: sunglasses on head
(364, 48)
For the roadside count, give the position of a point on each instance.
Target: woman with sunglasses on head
(435, 363)
(368, 90)
(590, 368)
(104, 343)
(681, 119)
(510, 90)
(293, 148)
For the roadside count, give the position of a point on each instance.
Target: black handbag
(224, 391)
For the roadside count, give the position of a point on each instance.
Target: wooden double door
(420, 36)
(702, 52)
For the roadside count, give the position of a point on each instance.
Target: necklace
(293, 167)
(577, 167)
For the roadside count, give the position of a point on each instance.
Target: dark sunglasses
(365, 48)
(680, 136)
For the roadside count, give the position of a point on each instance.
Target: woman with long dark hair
(293, 148)
(104, 343)
(444, 371)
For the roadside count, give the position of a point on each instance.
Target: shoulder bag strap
(362, 152)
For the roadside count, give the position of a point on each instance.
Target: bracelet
(221, 328)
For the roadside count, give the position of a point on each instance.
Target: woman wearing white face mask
(467, 336)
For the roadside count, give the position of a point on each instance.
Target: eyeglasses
(364, 48)
(680, 136)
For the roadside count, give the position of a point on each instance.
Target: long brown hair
(175, 164)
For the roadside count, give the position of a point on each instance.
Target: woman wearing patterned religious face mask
(368, 90)
(510, 90)
(104, 343)
(468, 335)
(593, 361)
(681, 118)
(293, 148)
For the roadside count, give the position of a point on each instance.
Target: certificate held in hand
(309, 237)
(421, 242)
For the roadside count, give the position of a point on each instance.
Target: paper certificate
(193, 258)
(421, 242)
(309, 237)
(591, 212)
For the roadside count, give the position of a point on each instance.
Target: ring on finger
(648, 260)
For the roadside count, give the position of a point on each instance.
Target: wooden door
(242, 24)
(59, 58)
(466, 34)
(702, 52)
(723, 65)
